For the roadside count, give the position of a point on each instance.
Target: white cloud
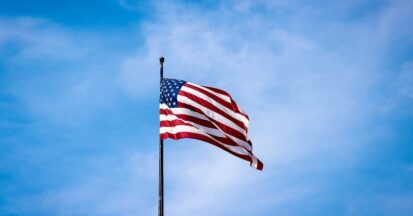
(40, 39)
(59, 74)
(112, 185)
(307, 100)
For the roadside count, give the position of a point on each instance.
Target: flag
(188, 110)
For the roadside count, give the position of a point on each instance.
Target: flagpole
(160, 203)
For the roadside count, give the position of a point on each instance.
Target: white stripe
(223, 97)
(254, 162)
(233, 114)
(240, 142)
(211, 131)
(183, 111)
(185, 128)
(212, 114)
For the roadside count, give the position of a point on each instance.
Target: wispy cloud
(312, 99)
(61, 74)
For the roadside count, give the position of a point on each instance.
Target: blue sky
(328, 87)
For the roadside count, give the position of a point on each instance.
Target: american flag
(188, 110)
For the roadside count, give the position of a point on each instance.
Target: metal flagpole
(160, 203)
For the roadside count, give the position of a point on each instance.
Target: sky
(328, 86)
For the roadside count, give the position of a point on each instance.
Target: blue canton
(169, 91)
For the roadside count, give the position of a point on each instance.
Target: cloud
(103, 191)
(39, 39)
(60, 74)
(311, 102)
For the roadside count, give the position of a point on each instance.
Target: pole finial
(161, 60)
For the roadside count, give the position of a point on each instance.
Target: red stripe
(196, 120)
(219, 91)
(188, 122)
(208, 105)
(260, 165)
(223, 127)
(173, 123)
(225, 140)
(232, 106)
(181, 135)
(166, 111)
(221, 101)
(199, 121)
